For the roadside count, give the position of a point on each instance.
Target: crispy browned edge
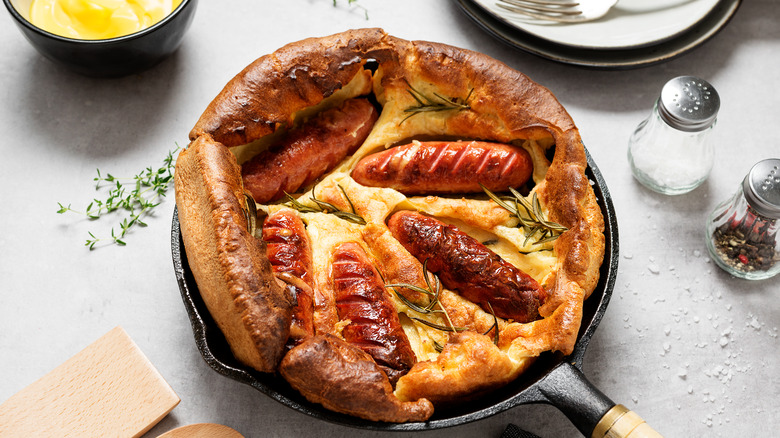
(343, 378)
(230, 265)
(265, 96)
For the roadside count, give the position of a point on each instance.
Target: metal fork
(562, 11)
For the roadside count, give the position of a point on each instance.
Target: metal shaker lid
(762, 188)
(688, 103)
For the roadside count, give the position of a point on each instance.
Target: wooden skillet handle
(620, 422)
(592, 412)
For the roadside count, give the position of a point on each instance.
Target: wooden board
(109, 389)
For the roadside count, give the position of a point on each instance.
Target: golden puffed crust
(343, 378)
(273, 94)
(268, 93)
(505, 104)
(481, 367)
(230, 265)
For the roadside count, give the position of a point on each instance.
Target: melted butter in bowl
(98, 19)
(104, 38)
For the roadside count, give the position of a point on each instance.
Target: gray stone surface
(691, 349)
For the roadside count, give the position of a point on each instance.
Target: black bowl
(554, 379)
(111, 57)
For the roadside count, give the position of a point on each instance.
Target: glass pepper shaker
(742, 232)
(671, 152)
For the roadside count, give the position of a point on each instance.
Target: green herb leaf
(430, 308)
(326, 207)
(530, 216)
(438, 326)
(350, 2)
(495, 324)
(149, 185)
(434, 104)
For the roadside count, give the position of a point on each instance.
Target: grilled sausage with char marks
(440, 167)
(466, 265)
(290, 255)
(361, 298)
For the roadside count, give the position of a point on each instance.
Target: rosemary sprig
(438, 326)
(495, 324)
(431, 307)
(321, 206)
(529, 214)
(137, 198)
(435, 103)
(433, 292)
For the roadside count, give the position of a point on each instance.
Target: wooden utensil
(202, 430)
(108, 389)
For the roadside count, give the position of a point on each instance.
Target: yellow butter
(98, 19)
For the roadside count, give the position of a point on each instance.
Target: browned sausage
(466, 265)
(309, 151)
(289, 252)
(362, 298)
(445, 167)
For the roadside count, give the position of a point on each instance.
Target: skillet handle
(620, 422)
(592, 412)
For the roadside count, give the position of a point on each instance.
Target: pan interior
(215, 351)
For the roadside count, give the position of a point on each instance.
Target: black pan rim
(523, 391)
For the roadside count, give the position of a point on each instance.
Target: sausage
(466, 265)
(307, 152)
(361, 298)
(290, 254)
(442, 167)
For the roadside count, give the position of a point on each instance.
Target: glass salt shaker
(742, 232)
(671, 152)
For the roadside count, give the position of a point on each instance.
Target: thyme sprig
(349, 3)
(434, 104)
(321, 206)
(137, 196)
(530, 215)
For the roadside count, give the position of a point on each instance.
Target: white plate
(604, 59)
(630, 23)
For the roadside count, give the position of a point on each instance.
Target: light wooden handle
(620, 422)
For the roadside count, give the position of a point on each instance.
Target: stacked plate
(634, 33)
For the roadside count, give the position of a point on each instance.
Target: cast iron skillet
(553, 378)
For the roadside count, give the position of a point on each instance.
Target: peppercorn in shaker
(742, 232)
(671, 152)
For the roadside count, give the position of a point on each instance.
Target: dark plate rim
(646, 43)
(608, 59)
